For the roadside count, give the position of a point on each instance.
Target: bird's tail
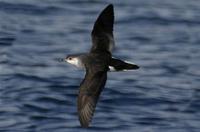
(119, 65)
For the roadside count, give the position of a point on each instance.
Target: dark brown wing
(90, 90)
(102, 33)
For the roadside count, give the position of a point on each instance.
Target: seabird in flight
(97, 63)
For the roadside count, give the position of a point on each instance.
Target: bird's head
(73, 59)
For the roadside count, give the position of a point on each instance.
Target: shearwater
(97, 63)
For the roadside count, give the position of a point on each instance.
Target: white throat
(76, 62)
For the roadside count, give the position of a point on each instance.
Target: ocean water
(38, 93)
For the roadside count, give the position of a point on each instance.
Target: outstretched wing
(102, 33)
(89, 92)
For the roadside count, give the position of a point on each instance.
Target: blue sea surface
(39, 94)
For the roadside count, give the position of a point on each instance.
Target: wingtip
(109, 7)
(83, 123)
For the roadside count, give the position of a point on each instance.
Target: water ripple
(39, 93)
(27, 8)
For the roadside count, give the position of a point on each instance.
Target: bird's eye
(70, 58)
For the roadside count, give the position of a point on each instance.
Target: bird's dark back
(97, 61)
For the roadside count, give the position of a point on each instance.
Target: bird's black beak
(61, 59)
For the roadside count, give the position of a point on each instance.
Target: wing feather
(102, 33)
(89, 92)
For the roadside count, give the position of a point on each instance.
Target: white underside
(112, 69)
